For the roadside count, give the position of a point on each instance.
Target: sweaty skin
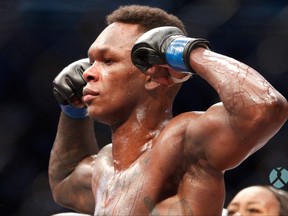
(159, 164)
(254, 200)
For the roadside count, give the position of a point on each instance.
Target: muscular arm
(71, 162)
(251, 112)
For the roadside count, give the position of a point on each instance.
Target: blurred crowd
(39, 38)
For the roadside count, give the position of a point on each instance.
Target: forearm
(245, 94)
(75, 140)
(71, 164)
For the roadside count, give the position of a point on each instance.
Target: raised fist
(70, 82)
(68, 87)
(165, 45)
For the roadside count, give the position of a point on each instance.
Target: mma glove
(165, 45)
(68, 84)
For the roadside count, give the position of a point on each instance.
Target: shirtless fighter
(157, 164)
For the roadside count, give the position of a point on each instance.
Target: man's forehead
(119, 35)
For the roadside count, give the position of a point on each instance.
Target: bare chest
(133, 191)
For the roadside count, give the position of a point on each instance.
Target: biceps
(82, 176)
(75, 191)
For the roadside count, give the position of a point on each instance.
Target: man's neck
(133, 137)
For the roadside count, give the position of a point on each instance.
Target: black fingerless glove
(165, 45)
(70, 83)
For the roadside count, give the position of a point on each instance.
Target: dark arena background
(39, 38)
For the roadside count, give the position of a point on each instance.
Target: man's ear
(151, 84)
(156, 76)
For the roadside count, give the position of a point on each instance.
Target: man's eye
(108, 61)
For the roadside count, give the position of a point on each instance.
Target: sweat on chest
(146, 179)
(128, 188)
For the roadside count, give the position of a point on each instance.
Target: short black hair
(145, 16)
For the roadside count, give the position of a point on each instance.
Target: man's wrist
(75, 113)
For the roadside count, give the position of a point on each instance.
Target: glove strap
(75, 113)
(178, 52)
(174, 54)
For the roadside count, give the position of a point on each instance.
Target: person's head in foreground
(259, 200)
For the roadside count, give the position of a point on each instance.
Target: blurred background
(39, 38)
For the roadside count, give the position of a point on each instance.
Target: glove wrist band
(178, 52)
(174, 54)
(75, 113)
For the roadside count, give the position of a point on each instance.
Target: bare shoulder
(105, 155)
(174, 135)
(107, 149)
(181, 121)
(188, 115)
(196, 177)
(186, 135)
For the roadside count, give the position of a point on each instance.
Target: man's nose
(91, 73)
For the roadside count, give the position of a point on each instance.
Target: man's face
(114, 85)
